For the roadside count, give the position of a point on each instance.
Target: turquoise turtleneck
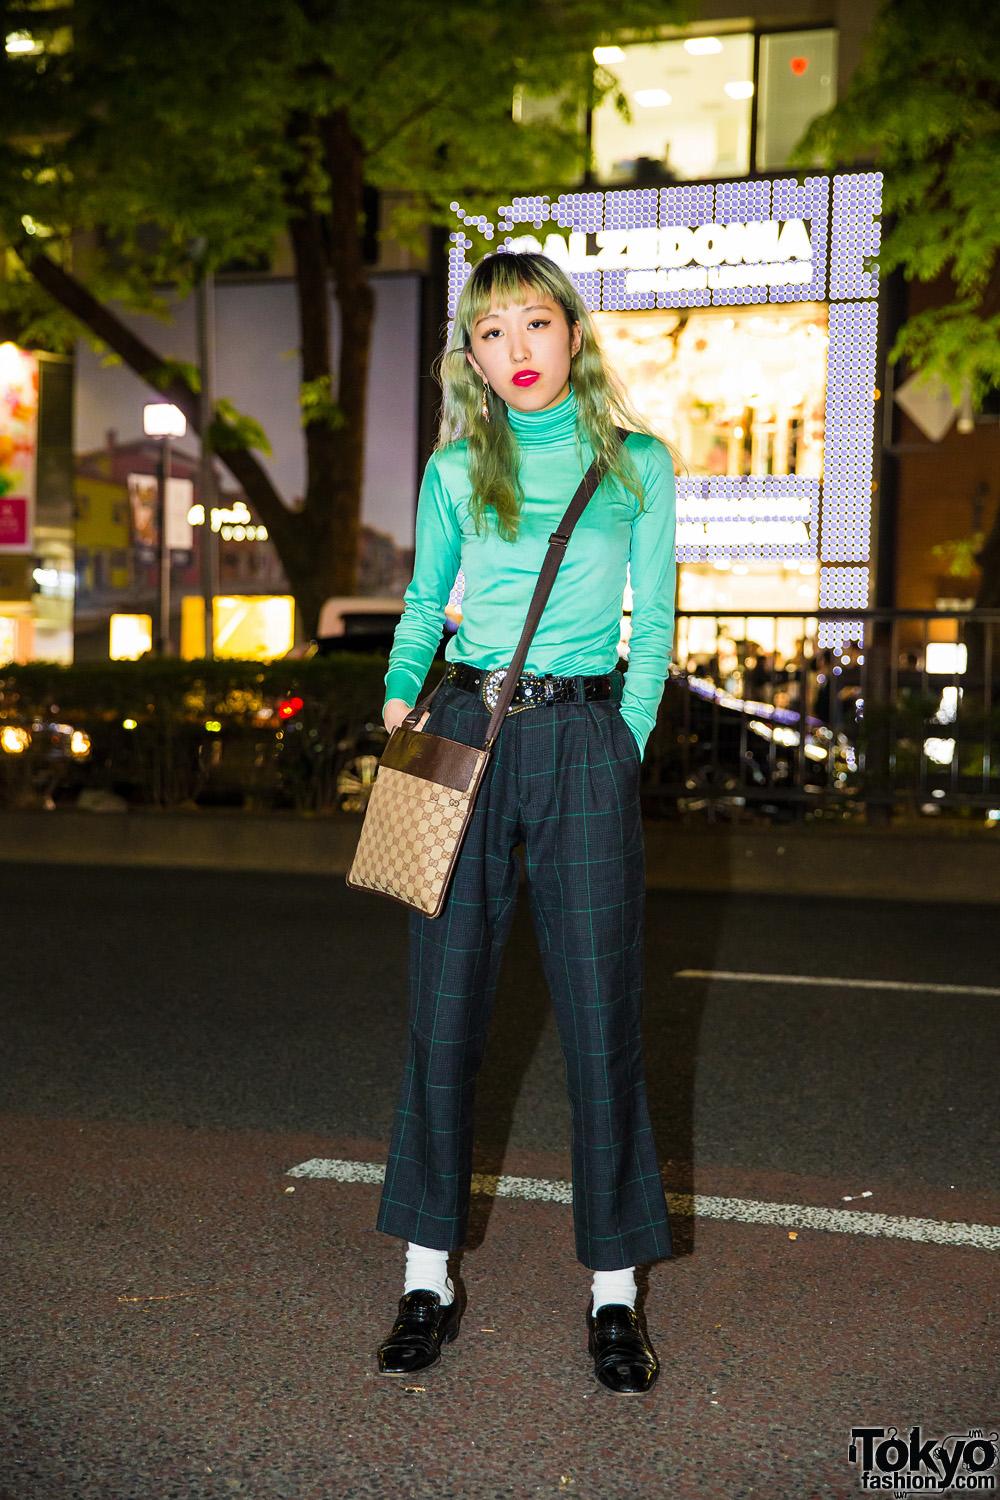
(579, 629)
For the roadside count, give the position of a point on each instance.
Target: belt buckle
(492, 684)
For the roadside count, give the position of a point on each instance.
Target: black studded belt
(531, 691)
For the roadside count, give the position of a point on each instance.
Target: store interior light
(21, 41)
(608, 54)
(651, 98)
(10, 358)
(740, 89)
(160, 419)
(131, 636)
(945, 659)
(702, 46)
(940, 751)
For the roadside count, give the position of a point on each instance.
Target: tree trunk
(319, 415)
(344, 161)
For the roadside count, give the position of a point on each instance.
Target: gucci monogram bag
(426, 786)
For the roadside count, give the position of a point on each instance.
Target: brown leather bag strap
(551, 564)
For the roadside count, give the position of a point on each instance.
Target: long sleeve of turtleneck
(579, 629)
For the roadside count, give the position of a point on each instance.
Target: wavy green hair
(602, 404)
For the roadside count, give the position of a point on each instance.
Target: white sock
(614, 1286)
(427, 1271)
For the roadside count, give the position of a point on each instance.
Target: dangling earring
(486, 404)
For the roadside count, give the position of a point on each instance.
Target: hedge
(168, 733)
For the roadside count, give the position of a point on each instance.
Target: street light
(164, 421)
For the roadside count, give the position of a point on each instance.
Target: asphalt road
(177, 1323)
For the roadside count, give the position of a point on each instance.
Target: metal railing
(830, 713)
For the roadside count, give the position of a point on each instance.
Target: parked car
(728, 751)
(365, 625)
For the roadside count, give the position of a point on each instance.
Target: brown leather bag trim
(432, 758)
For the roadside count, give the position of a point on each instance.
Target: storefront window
(798, 81)
(741, 392)
(690, 103)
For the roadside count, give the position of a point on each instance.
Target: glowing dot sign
(728, 244)
(18, 447)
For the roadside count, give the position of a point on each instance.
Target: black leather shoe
(422, 1326)
(623, 1360)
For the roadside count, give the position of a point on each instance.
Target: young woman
(528, 403)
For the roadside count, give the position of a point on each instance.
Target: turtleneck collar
(553, 428)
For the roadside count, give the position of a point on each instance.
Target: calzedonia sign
(687, 257)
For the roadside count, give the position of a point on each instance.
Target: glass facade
(691, 103)
(798, 81)
(690, 112)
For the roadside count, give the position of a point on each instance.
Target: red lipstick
(525, 377)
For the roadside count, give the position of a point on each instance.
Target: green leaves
(960, 556)
(318, 405)
(232, 430)
(925, 107)
(178, 369)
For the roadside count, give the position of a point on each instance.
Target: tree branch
(404, 124)
(144, 361)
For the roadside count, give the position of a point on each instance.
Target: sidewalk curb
(898, 865)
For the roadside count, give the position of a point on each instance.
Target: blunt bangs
(511, 280)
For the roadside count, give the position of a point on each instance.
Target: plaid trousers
(564, 781)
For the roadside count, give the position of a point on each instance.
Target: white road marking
(686, 1205)
(840, 983)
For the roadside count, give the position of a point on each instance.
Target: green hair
(602, 404)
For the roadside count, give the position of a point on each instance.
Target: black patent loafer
(422, 1326)
(623, 1360)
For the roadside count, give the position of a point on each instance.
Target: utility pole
(205, 309)
(163, 480)
(162, 420)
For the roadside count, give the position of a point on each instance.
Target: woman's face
(524, 352)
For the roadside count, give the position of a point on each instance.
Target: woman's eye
(490, 332)
(539, 323)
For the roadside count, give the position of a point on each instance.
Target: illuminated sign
(747, 516)
(255, 627)
(724, 244)
(687, 257)
(18, 447)
(235, 523)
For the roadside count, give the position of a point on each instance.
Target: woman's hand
(395, 712)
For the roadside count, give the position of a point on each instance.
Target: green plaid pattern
(564, 781)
